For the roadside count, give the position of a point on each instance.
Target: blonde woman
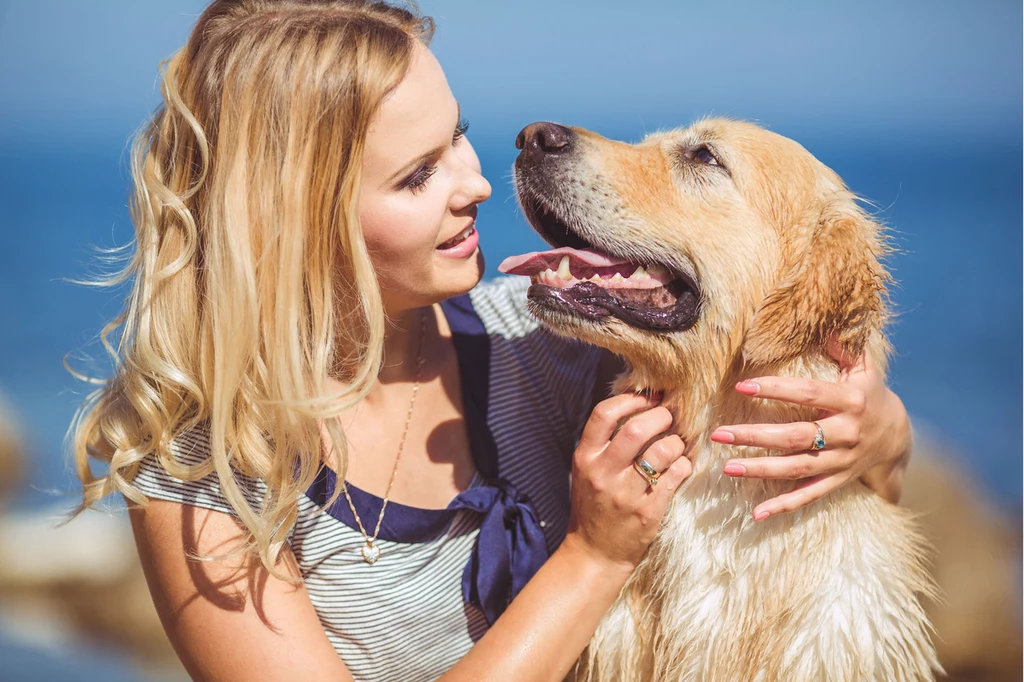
(344, 458)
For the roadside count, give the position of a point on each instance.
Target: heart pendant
(371, 553)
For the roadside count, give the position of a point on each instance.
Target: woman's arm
(229, 619)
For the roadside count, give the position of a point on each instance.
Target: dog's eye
(703, 155)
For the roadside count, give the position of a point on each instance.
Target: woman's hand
(615, 513)
(867, 433)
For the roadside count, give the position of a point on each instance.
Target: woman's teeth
(460, 237)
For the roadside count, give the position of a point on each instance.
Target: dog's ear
(835, 286)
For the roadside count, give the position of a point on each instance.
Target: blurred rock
(79, 582)
(10, 453)
(977, 566)
(82, 577)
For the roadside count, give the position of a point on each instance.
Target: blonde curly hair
(251, 282)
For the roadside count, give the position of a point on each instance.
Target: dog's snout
(538, 140)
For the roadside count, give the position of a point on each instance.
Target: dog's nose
(538, 140)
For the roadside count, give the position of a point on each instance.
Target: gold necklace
(371, 552)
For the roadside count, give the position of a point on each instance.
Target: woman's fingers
(823, 395)
(849, 362)
(661, 455)
(607, 415)
(635, 434)
(664, 451)
(787, 467)
(673, 477)
(787, 437)
(809, 491)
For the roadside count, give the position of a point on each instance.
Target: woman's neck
(403, 343)
(408, 334)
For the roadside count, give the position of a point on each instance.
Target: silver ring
(819, 439)
(644, 468)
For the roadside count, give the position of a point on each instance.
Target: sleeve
(560, 369)
(193, 448)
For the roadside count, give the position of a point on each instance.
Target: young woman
(344, 457)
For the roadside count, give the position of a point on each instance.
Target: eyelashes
(460, 130)
(421, 175)
(419, 178)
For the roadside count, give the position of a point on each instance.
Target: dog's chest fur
(829, 592)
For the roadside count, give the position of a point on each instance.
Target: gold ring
(644, 468)
(819, 438)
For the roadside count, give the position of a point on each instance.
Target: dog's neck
(702, 398)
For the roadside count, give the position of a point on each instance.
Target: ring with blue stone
(819, 439)
(644, 468)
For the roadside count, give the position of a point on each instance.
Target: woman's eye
(703, 155)
(460, 131)
(417, 180)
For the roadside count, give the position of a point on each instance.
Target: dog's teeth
(563, 268)
(657, 270)
(617, 277)
(638, 273)
(596, 279)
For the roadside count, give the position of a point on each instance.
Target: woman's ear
(837, 286)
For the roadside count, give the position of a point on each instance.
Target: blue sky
(80, 68)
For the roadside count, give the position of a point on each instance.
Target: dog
(704, 256)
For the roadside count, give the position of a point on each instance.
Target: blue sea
(955, 204)
(955, 207)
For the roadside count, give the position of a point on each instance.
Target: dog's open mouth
(578, 278)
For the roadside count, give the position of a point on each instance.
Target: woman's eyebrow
(430, 154)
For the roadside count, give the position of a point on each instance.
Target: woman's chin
(458, 277)
(447, 280)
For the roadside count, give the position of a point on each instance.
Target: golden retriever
(705, 256)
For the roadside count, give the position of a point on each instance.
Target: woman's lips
(462, 245)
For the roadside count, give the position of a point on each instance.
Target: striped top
(526, 394)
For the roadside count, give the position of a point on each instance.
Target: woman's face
(421, 185)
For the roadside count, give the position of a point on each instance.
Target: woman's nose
(473, 188)
(480, 189)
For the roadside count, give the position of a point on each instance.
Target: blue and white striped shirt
(526, 394)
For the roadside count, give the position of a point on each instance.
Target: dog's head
(721, 237)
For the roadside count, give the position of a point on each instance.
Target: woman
(305, 215)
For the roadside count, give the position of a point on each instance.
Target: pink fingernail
(734, 469)
(723, 436)
(748, 387)
(761, 516)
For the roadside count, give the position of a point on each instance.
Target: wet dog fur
(782, 258)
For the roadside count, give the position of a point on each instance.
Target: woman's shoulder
(502, 306)
(526, 353)
(185, 474)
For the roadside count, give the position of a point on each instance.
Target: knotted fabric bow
(509, 550)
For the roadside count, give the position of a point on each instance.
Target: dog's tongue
(539, 261)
